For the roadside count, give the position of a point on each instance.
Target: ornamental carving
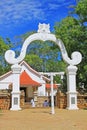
(43, 28)
(43, 34)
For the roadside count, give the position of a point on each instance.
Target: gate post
(71, 88)
(15, 103)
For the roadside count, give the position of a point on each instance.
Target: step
(27, 105)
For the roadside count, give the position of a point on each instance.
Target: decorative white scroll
(44, 35)
(76, 56)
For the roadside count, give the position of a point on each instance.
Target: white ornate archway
(44, 34)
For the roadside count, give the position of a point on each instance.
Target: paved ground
(41, 119)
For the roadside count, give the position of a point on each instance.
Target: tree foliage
(34, 61)
(81, 11)
(47, 56)
(4, 45)
(73, 32)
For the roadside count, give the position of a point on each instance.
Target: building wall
(5, 82)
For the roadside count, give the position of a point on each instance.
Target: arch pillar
(15, 104)
(71, 87)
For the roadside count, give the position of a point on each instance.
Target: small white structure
(44, 34)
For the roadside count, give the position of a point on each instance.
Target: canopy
(26, 80)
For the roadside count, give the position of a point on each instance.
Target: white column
(71, 88)
(15, 104)
(52, 96)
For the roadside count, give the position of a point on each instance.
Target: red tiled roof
(25, 79)
(48, 86)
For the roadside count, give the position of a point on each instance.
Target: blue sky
(20, 16)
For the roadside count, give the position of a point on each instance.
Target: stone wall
(5, 99)
(22, 99)
(82, 101)
(40, 100)
(61, 100)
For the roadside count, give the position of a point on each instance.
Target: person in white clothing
(32, 103)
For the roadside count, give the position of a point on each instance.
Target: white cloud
(53, 6)
(58, 4)
(20, 11)
(13, 11)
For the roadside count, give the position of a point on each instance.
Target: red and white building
(30, 81)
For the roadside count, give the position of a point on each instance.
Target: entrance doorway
(28, 93)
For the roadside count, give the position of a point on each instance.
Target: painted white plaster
(71, 88)
(16, 70)
(6, 81)
(44, 35)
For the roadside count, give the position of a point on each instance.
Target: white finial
(43, 28)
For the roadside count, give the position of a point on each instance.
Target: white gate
(44, 34)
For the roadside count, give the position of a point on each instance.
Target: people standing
(32, 103)
(45, 104)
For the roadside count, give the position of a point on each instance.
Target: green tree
(47, 53)
(81, 11)
(73, 32)
(4, 45)
(34, 61)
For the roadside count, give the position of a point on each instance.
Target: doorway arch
(44, 34)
